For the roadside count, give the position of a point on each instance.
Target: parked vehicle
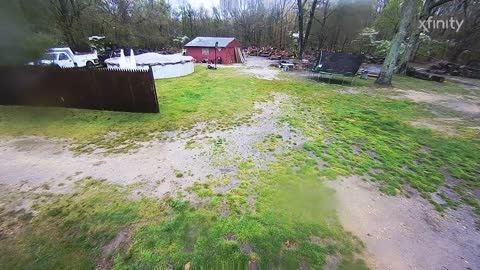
(64, 57)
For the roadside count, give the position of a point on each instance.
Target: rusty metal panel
(82, 88)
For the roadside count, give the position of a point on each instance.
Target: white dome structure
(163, 66)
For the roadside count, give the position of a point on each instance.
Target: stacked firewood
(445, 68)
(371, 59)
(471, 70)
(412, 72)
(271, 52)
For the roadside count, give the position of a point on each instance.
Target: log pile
(471, 70)
(271, 52)
(371, 59)
(412, 72)
(445, 68)
(282, 55)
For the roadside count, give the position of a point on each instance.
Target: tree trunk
(406, 14)
(410, 50)
(414, 43)
(309, 24)
(281, 33)
(303, 38)
(323, 22)
(300, 29)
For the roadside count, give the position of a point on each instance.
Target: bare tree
(323, 22)
(303, 36)
(67, 14)
(188, 17)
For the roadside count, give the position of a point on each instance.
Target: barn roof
(210, 42)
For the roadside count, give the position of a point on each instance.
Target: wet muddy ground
(406, 233)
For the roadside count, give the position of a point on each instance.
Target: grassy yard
(292, 222)
(223, 95)
(203, 96)
(361, 134)
(69, 230)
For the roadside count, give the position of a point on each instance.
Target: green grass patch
(409, 83)
(205, 95)
(69, 231)
(291, 223)
(447, 87)
(366, 135)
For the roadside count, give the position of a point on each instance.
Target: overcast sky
(196, 3)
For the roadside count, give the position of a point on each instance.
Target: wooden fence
(83, 88)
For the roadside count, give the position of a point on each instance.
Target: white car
(64, 57)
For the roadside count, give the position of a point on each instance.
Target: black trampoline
(334, 66)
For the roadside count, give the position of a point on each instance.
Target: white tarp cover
(163, 66)
(151, 59)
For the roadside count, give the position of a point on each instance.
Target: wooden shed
(202, 49)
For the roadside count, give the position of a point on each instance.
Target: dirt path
(469, 107)
(164, 166)
(259, 66)
(406, 233)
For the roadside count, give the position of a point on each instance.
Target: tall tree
(412, 46)
(388, 68)
(188, 19)
(303, 35)
(68, 16)
(323, 22)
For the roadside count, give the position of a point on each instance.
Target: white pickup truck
(64, 57)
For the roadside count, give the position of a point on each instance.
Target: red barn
(203, 49)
